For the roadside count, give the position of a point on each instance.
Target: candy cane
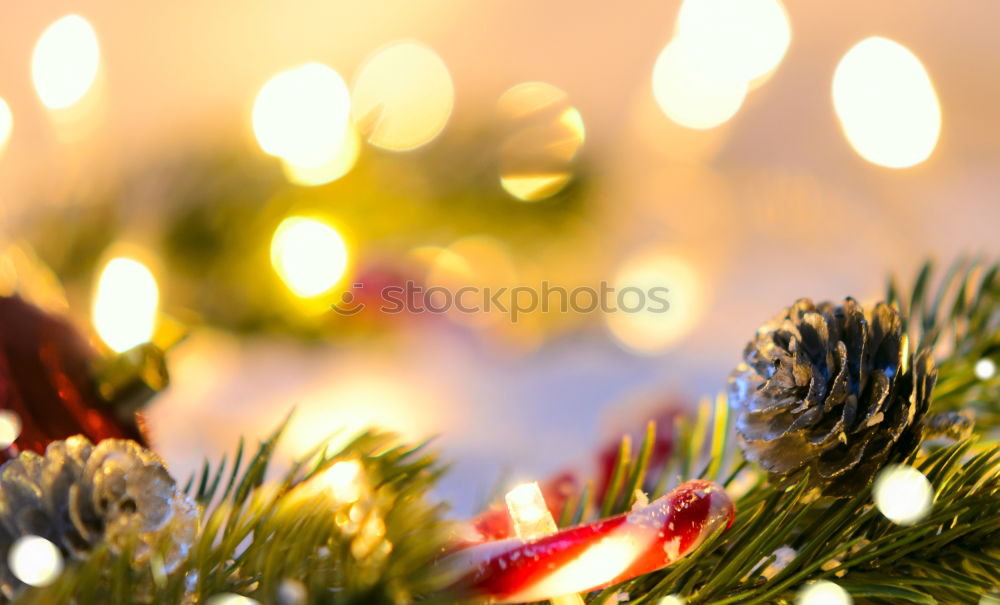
(598, 554)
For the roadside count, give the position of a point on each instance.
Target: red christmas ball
(46, 379)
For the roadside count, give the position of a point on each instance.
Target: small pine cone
(78, 495)
(826, 389)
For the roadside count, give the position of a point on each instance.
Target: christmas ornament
(598, 554)
(79, 495)
(832, 391)
(46, 379)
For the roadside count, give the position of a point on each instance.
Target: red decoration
(45, 378)
(598, 554)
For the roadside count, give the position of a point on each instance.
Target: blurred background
(230, 169)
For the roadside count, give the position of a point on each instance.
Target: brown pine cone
(79, 495)
(830, 390)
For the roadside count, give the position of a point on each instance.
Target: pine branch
(960, 319)
(255, 536)
(949, 557)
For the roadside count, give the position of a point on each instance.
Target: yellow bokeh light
(692, 93)
(886, 103)
(648, 328)
(345, 481)
(65, 62)
(331, 169)
(35, 561)
(6, 123)
(533, 187)
(302, 115)
(367, 394)
(737, 39)
(309, 255)
(545, 135)
(10, 428)
(402, 96)
(125, 305)
(477, 261)
(903, 494)
(230, 598)
(822, 592)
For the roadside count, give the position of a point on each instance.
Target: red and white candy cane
(596, 555)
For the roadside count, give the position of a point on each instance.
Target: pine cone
(825, 389)
(79, 495)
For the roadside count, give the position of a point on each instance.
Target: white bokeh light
(309, 255)
(743, 38)
(35, 561)
(345, 479)
(673, 296)
(886, 103)
(822, 592)
(985, 369)
(6, 123)
(126, 303)
(903, 494)
(10, 428)
(65, 61)
(691, 93)
(302, 115)
(402, 96)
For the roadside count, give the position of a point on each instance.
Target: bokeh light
(903, 494)
(344, 479)
(309, 255)
(6, 123)
(692, 93)
(364, 394)
(741, 40)
(10, 428)
(35, 561)
(125, 305)
(402, 96)
(230, 598)
(721, 49)
(65, 62)
(292, 592)
(886, 103)
(546, 133)
(985, 369)
(671, 600)
(822, 592)
(646, 328)
(336, 166)
(302, 116)
(478, 261)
